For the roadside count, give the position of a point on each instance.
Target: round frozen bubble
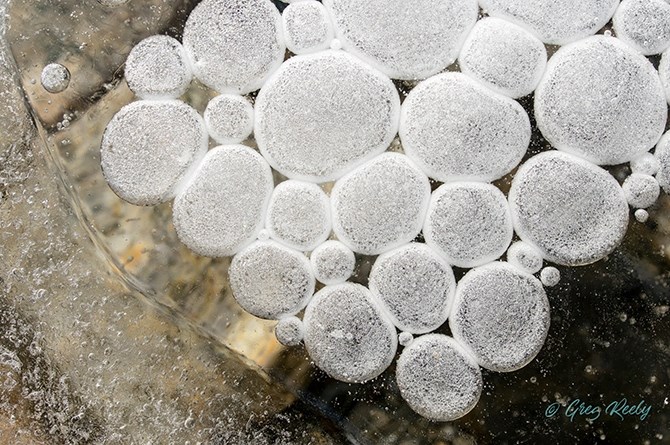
(504, 57)
(550, 276)
(644, 25)
(149, 148)
(234, 45)
(574, 212)
(380, 205)
(438, 378)
(469, 223)
(307, 27)
(323, 114)
(601, 100)
(641, 190)
(641, 215)
(346, 334)
(289, 331)
(157, 67)
(405, 339)
(556, 22)
(662, 155)
(404, 42)
(299, 215)
(55, 78)
(456, 129)
(524, 257)
(333, 262)
(222, 208)
(271, 281)
(501, 315)
(229, 118)
(645, 164)
(664, 73)
(415, 286)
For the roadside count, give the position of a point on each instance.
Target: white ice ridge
(157, 68)
(229, 118)
(401, 40)
(662, 155)
(501, 315)
(271, 281)
(347, 334)
(234, 45)
(454, 129)
(644, 25)
(148, 149)
(380, 205)
(307, 27)
(333, 262)
(601, 100)
(664, 73)
(322, 114)
(574, 212)
(555, 22)
(504, 57)
(438, 378)
(469, 223)
(222, 208)
(415, 286)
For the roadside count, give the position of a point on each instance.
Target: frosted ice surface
(380, 205)
(271, 281)
(307, 27)
(234, 45)
(415, 286)
(289, 331)
(550, 276)
(641, 190)
(437, 378)
(662, 154)
(664, 72)
(644, 25)
(333, 262)
(501, 315)
(157, 67)
(405, 339)
(229, 118)
(525, 257)
(346, 334)
(323, 114)
(403, 41)
(645, 164)
(55, 78)
(456, 129)
(554, 21)
(574, 212)
(641, 215)
(223, 207)
(601, 100)
(299, 215)
(149, 147)
(504, 57)
(469, 223)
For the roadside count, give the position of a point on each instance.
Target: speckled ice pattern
(644, 25)
(574, 212)
(401, 41)
(550, 276)
(438, 378)
(299, 215)
(55, 78)
(662, 155)
(601, 100)
(380, 205)
(157, 68)
(524, 257)
(554, 21)
(482, 135)
(307, 27)
(229, 118)
(469, 223)
(645, 164)
(333, 262)
(289, 331)
(347, 335)
(504, 57)
(271, 281)
(501, 315)
(415, 286)
(664, 73)
(641, 190)
(149, 148)
(323, 114)
(222, 208)
(234, 45)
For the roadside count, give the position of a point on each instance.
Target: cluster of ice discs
(330, 112)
